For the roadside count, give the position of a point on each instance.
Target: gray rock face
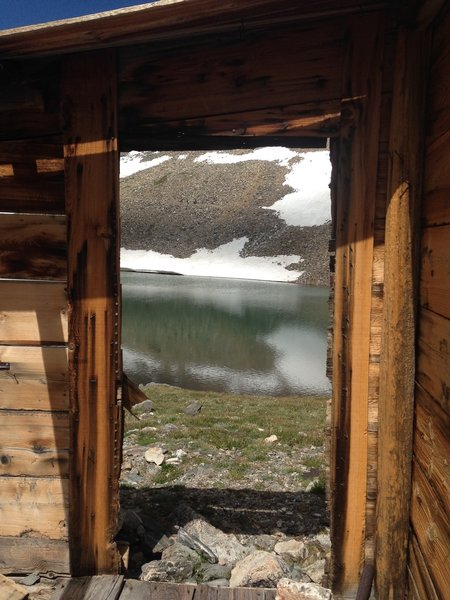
(258, 569)
(296, 590)
(292, 549)
(193, 409)
(227, 548)
(146, 406)
(210, 573)
(176, 565)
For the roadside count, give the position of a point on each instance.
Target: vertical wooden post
(89, 113)
(355, 156)
(397, 366)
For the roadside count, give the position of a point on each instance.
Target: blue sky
(18, 13)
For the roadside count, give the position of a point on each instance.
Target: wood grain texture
(101, 587)
(91, 176)
(146, 590)
(33, 506)
(437, 182)
(245, 85)
(305, 126)
(439, 86)
(33, 247)
(168, 19)
(26, 554)
(432, 443)
(10, 590)
(397, 363)
(355, 199)
(435, 268)
(32, 176)
(421, 586)
(430, 522)
(34, 443)
(37, 378)
(32, 313)
(434, 357)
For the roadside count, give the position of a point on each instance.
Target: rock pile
(198, 552)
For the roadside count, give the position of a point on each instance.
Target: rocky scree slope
(179, 204)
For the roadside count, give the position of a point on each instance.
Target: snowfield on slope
(307, 205)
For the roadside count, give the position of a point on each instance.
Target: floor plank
(99, 587)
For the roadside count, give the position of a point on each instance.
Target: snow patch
(309, 204)
(271, 153)
(136, 161)
(224, 261)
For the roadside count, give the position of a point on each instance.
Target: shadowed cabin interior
(373, 76)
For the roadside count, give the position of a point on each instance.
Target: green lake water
(231, 335)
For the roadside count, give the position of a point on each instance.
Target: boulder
(208, 573)
(226, 547)
(292, 549)
(316, 570)
(177, 565)
(145, 406)
(193, 409)
(259, 569)
(297, 590)
(155, 455)
(218, 583)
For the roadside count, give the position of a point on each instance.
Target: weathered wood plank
(438, 108)
(32, 313)
(36, 380)
(29, 99)
(28, 554)
(429, 518)
(146, 590)
(91, 176)
(435, 269)
(33, 247)
(421, 586)
(434, 357)
(34, 443)
(302, 124)
(167, 19)
(43, 192)
(33, 506)
(10, 590)
(239, 76)
(100, 587)
(131, 393)
(432, 443)
(397, 361)
(32, 176)
(437, 181)
(355, 199)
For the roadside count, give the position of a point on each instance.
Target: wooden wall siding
(33, 246)
(398, 323)
(34, 443)
(32, 176)
(430, 501)
(34, 439)
(356, 164)
(238, 85)
(29, 99)
(36, 380)
(47, 556)
(33, 313)
(91, 176)
(33, 507)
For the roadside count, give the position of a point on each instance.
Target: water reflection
(221, 334)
